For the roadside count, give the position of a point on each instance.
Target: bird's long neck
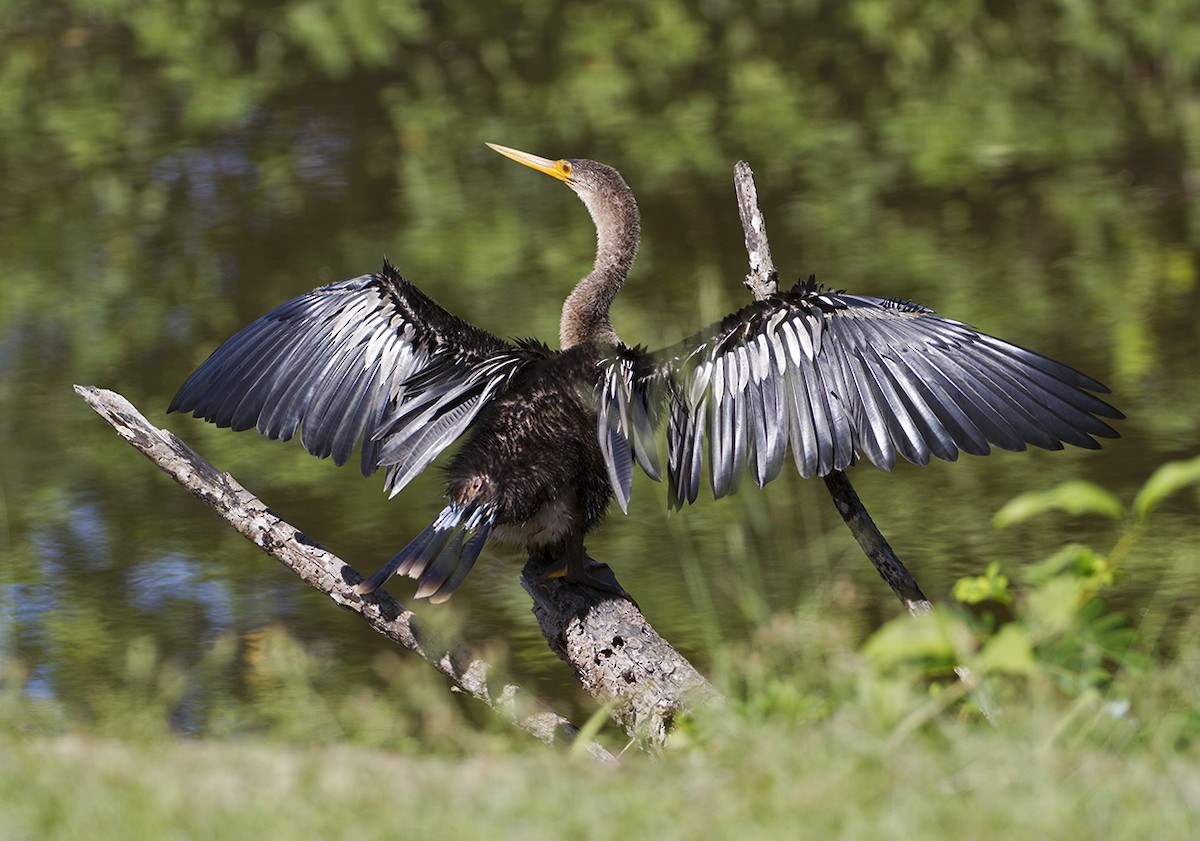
(585, 313)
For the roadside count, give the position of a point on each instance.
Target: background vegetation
(172, 170)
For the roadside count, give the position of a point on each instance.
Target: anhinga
(551, 435)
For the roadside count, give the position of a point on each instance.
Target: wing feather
(841, 377)
(627, 395)
(354, 361)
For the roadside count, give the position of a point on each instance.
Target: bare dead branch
(763, 282)
(326, 572)
(617, 656)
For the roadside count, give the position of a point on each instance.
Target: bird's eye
(564, 167)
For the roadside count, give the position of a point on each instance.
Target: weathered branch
(619, 658)
(325, 571)
(763, 281)
(874, 544)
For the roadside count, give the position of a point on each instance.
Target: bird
(549, 437)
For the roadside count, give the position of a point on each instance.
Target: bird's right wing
(372, 358)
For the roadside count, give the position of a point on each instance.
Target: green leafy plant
(1061, 629)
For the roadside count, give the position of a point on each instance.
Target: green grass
(817, 740)
(842, 777)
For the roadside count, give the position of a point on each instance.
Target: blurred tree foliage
(908, 142)
(173, 169)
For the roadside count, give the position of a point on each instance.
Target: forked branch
(617, 656)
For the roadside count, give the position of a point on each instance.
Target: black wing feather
(842, 377)
(627, 395)
(343, 363)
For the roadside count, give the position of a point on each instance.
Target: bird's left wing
(839, 377)
(371, 358)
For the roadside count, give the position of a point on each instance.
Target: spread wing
(371, 359)
(840, 377)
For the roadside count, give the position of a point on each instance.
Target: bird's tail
(442, 554)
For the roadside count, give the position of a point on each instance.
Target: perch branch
(619, 658)
(763, 281)
(325, 571)
(874, 544)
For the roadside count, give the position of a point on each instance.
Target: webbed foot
(591, 573)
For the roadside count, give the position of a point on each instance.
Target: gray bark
(617, 656)
(762, 280)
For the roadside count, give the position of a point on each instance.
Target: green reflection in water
(168, 178)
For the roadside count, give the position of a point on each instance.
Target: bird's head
(594, 182)
(614, 211)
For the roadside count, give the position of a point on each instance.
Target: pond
(168, 179)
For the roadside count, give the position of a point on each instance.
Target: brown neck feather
(585, 313)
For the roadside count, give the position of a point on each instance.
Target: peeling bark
(762, 280)
(617, 656)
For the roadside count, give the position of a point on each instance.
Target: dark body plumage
(538, 500)
(551, 436)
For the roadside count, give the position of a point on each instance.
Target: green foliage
(931, 729)
(1072, 497)
(1166, 480)
(1082, 563)
(1061, 630)
(992, 586)
(839, 778)
(1055, 637)
(1078, 497)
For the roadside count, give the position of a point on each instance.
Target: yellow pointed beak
(560, 169)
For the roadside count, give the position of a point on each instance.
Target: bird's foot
(592, 573)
